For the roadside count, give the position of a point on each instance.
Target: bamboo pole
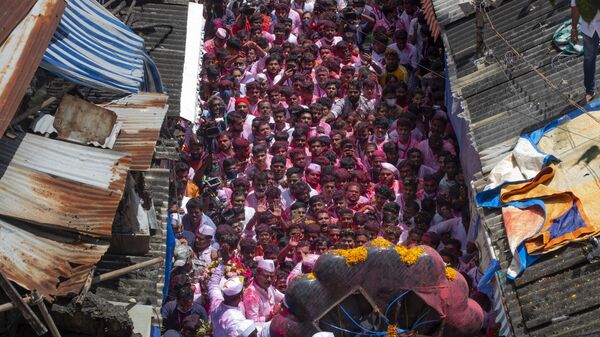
(126, 270)
(39, 301)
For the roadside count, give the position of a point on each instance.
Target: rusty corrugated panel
(21, 53)
(61, 185)
(11, 13)
(432, 22)
(52, 264)
(142, 116)
(83, 122)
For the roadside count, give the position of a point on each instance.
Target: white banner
(194, 43)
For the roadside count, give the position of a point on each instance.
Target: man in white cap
(388, 176)
(261, 300)
(202, 245)
(246, 328)
(216, 43)
(313, 175)
(225, 298)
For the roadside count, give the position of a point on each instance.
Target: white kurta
(224, 319)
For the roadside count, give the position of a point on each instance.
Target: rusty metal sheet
(61, 185)
(11, 13)
(431, 18)
(142, 116)
(21, 53)
(53, 264)
(83, 122)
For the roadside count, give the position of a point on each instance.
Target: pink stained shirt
(323, 42)
(431, 159)
(313, 130)
(259, 303)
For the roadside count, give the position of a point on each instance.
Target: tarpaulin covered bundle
(548, 187)
(94, 48)
(327, 299)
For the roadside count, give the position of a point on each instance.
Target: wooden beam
(18, 302)
(10, 306)
(39, 300)
(126, 270)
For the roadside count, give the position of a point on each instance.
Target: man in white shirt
(202, 245)
(590, 27)
(454, 227)
(302, 6)
(407, 52)
(225, 314)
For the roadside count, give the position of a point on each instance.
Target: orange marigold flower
(381, 243)
(409, 256)
(352, 256)
(451, 273)
(391, 331)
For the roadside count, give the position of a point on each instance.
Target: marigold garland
(451, 273)
(352, 256)
(311, 276)
(233, 267)
(409, 256)
(381, 243)
(391, 331)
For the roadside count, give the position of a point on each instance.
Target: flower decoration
(311, 276)
(391, 331)
(409, 256)
(381, 243)
(451, 273)
(352, 256)
(233, 267)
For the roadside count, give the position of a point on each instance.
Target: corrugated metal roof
(52, 264)
(142, 116)
(21, 52)
(11, 13)
(164, 41)
(93, 48)
(432, 22)
(62, 185)
(82, 122)
(553, 297)
(448, 11)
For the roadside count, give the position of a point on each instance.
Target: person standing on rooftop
(590, 27)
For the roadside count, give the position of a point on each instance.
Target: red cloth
(242, 100)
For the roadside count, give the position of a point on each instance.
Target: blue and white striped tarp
(94, 48)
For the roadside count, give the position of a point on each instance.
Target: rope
(355, 322)
(354, 332)
(394, 301)
(538, 72)
(419, 319)
(426, 322)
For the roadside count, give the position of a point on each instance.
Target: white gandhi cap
(206, 230)
(267, 265)
(233, 286)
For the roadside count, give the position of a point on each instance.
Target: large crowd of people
(322, 126)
